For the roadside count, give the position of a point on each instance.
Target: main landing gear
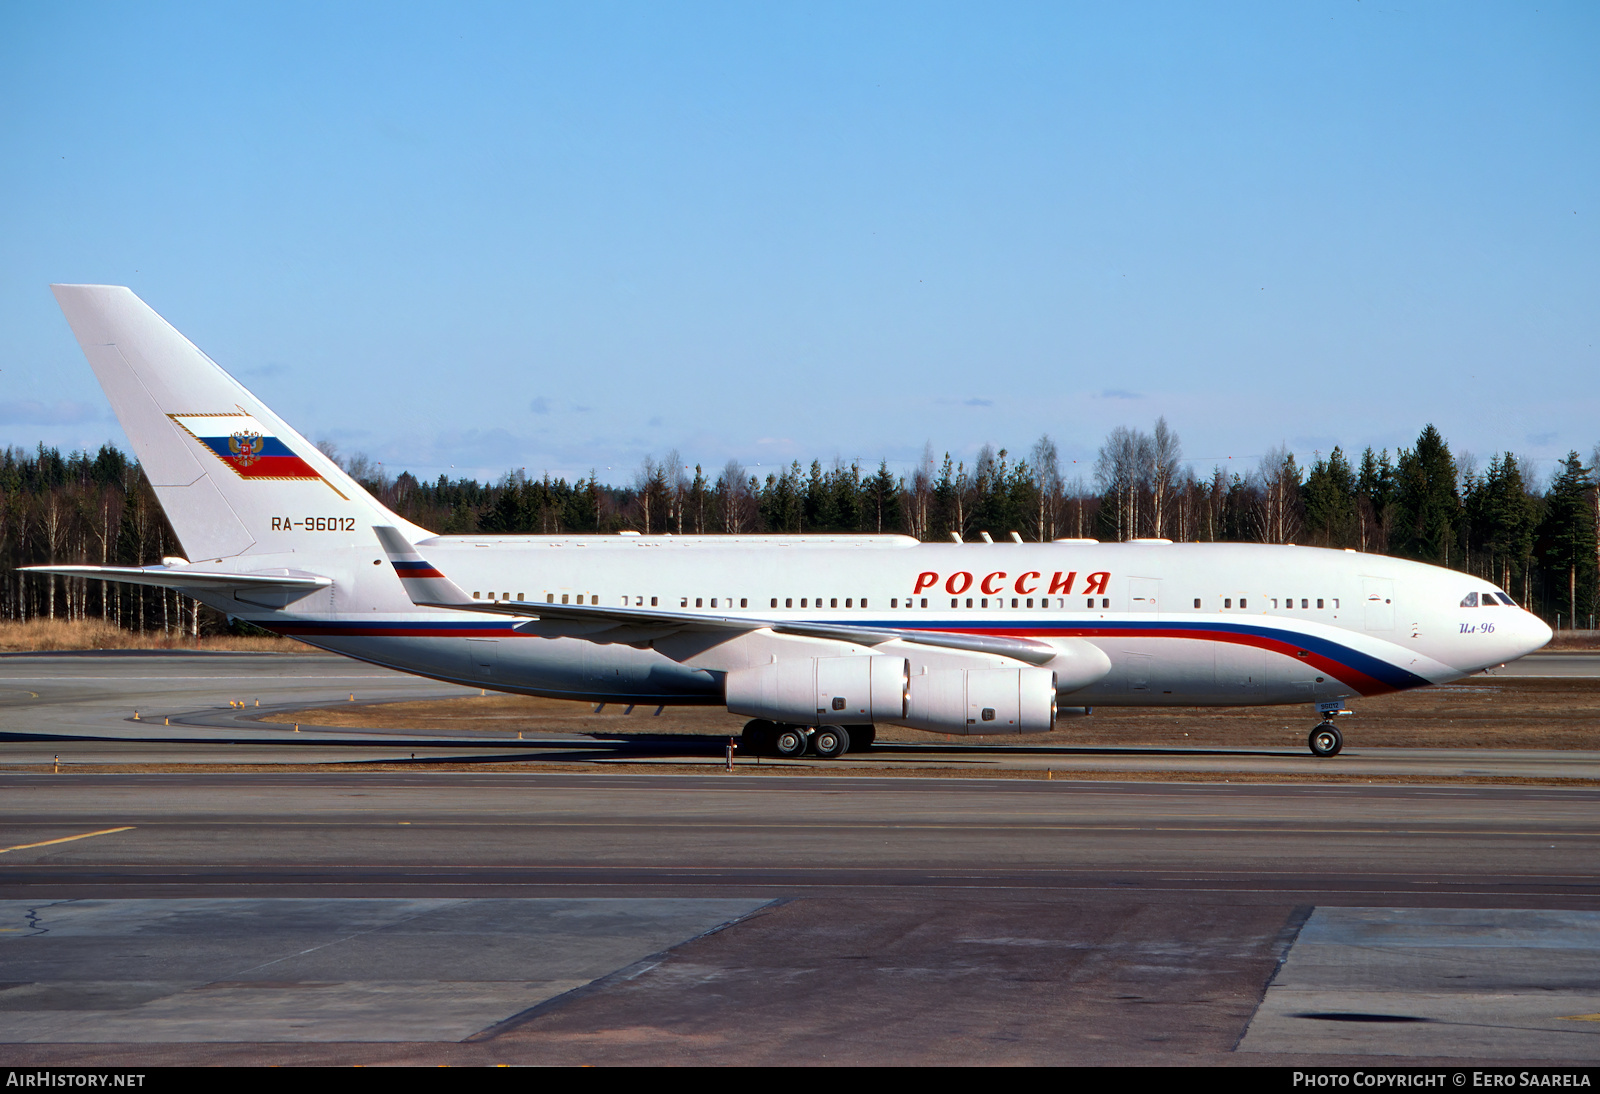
(791, 742)
(1325, 739)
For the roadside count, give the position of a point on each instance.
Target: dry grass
(45, 635)
(1484, 712)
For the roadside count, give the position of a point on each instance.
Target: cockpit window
(1489, 601)
(1469, 601)
(1506, 600)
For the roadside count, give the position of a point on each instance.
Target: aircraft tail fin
(232, 476)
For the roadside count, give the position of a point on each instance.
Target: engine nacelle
(823, 690)
(982, 701)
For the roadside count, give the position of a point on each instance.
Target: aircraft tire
(789, 742)
(1326, 740)
(830, 742)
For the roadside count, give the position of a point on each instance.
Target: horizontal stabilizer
(178, 577)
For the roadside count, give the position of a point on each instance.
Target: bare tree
(644, 481)
(735, 499)
(1279, 511)
(1046, 464)
(1122, 472)
(1165, 451)
(677, 487)
(919, 508)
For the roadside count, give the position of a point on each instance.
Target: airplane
(818, 639)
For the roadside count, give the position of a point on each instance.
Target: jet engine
(880, 689)
(822, 690)
(982, 701)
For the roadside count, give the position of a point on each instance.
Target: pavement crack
(32, 916)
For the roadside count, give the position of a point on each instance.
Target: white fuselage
(1182, 624)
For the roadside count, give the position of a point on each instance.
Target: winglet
(425, 585)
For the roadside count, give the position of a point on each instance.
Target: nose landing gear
(1325, 739)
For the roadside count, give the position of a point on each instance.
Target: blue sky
(468, 238)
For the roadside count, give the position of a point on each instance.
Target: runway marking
(67, 839)
(1578, 1018)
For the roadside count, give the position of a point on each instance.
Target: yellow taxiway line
(67, 839)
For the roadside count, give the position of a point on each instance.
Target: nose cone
(1535, 631)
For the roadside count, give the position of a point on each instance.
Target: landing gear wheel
(789, 742)
(830, 742)
(1326, 740)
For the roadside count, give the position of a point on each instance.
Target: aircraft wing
(429, 588)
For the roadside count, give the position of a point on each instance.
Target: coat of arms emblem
(246, 448)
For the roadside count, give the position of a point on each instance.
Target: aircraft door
(1241, 669)
(1138, 671)
(1144, 594)
(483, 655)
(1377, 593)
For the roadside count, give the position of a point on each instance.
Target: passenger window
(969, 601)
(802, 601)
(520, 597)
(1227, 602)
(1197, 601)
(774, 602)
(684, 603)
(699, 602)
(653, 602)
(475, 595)
(1013, 602)
(847, 601)
(1470, 600)
(1242, 603)
(1319, 603)
(863, 602)
(985, 603)
(1105, 602)
(954, 603)
(1304, 603)
(894, 602)
(788, 602)
(834, 603)
(1030, 601)
(563, 597)
(1090, 604)
(924, 602)
(713, 602)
